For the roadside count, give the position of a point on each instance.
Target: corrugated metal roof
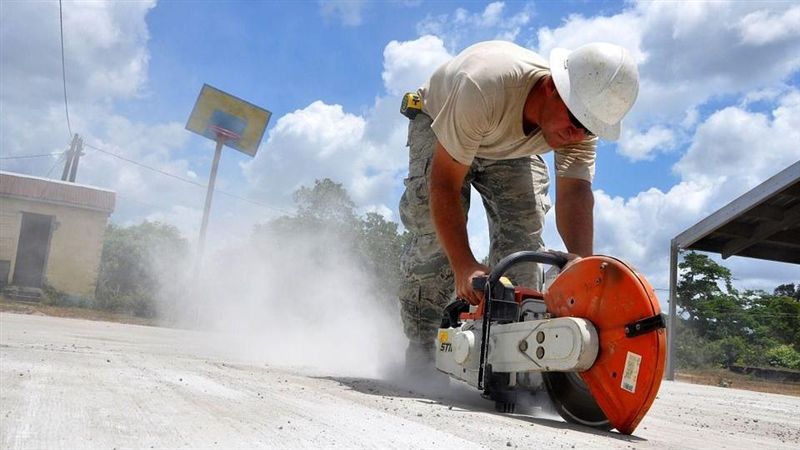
(42, 189)
(763, 223)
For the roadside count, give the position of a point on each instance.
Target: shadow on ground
(535, 409)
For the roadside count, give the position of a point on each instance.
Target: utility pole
(76, 157)
(70, 153)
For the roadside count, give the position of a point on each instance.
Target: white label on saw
(632, 363)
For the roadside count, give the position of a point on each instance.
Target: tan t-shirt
(476, 101)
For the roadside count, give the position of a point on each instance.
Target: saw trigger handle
(479, 283)
(451, 313)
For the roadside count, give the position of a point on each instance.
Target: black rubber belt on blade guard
(645, 325)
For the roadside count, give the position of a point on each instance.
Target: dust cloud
(303, 301)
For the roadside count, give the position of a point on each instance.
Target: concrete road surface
(67, 383)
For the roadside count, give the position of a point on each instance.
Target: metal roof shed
(764, 223)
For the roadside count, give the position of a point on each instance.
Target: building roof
(763, 223)
(28, 187)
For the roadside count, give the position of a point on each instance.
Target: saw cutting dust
(301, 301)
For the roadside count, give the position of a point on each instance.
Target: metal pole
(209, 194)
(76, 157)
(673, 308)
(68, 162)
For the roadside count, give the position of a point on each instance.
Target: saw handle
(488, 284)
(506, 263)
(553, 259)
(479, 283)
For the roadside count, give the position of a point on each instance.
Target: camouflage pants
(514, 194)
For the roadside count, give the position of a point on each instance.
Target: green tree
(380, 247)
(323, 209)
(721, 326)
(789, 290)
(326, 211)
(776, 317)
(708, 300)
(326, 203)
(784, 356)
(139, 265)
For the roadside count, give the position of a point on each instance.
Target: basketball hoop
(227, 135)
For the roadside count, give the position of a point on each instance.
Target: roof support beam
(765, 230)
(769, 212)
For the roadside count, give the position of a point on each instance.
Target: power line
(69, 127)
(41, 155)
(63, 66)
(58, 161)
(185, 180)
(45, 186)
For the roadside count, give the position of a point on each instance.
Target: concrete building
(51, 232)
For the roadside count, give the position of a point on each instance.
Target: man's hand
(464, 283)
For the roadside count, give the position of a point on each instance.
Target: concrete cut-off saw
(595, 340)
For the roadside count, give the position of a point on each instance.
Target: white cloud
(348, 11)
(104, 47)
(768, 94)
(106, 61)
(733, 150)
(463, 27)
(744, 145)
(408, 65)
(690, 53)
(623, 29)
(366, 153)
(764, 27)
(320, 141)
(643, 146)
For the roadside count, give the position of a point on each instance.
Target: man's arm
(574, 216)
(447, 177)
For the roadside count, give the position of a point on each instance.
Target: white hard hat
(598, 83)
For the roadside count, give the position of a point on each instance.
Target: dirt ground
(69, 383)
(710, 377)
(726, 378)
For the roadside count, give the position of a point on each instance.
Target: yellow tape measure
(412, 105)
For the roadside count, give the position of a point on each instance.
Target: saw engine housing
(594, 340)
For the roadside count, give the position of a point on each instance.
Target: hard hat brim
(560, 74)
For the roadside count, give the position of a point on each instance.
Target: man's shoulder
(502, 50)
(493, 61)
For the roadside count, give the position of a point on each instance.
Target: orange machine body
(625, 378)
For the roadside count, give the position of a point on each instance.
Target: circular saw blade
(626, 375)
(573, 401)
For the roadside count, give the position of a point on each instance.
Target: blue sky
(328, 59)
(718, 111)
